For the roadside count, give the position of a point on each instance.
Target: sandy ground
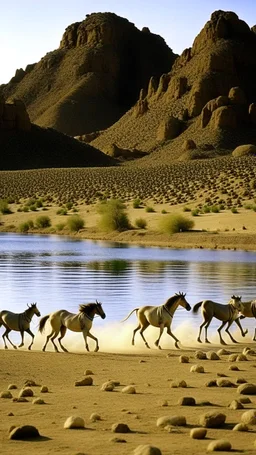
(149, 371)
(223, 230)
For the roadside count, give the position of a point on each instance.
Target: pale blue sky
(31, 28)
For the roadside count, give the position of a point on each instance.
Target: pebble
(212, 419)
(84, 382)
(108, 386)
(184, 359)
(211, 355)
(129, 389)
(240, 427)
(247, 389)
(120, 428)
(74, 422)
(171, 420)
(197, 369)
(6, 394)
(187, 401)
(198, 433)
(220, 445)
(94, 417)
(235, 404)
(249, 417)
(24, 432)
(147, 449)
(27, 392)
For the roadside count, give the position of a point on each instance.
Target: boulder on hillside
(224, 118)
(252, 113)
(129, 154)
(245, 150)
(211, 106)
(237, 96)
(13, 116)
(169, 129)
(188, 144)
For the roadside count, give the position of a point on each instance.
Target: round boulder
(212, 419)
(74, 422)
(147, 449)
(247, 389)
(220, 445)
(198, 433)
(23, 433)
(211, 355)
(249, 417)
(130, 389)
(171, 420)
(120, 428)
(240, 427)
(197, 369)
(245, 150)
(187, 401)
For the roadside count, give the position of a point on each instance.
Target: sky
(31, 28)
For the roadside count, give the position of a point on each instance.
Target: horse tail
(42, 323)
(127, 317)
(196, 307)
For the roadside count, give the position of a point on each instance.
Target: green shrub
(163, 212)
(136, 203)
(113, 216)
(25, 208)
(234, 210)
(60, 226)
(149, 209)
(215, 209)
(75, 223)
(4, 207)
(206, 209)
(141, 223)
(62, 211)
(186, 209)
(31, 224)
(176, 223)
(195, 212)
(23, 227)
(69, 205)
(43, 221)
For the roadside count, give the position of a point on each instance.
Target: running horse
(159, 316)
(62, 320)
(249, 311)
(226, 313)
(19, 322)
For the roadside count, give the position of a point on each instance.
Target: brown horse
(227, 313)
(19, 322)
(81, 322)
(159, 316)
(248, 310)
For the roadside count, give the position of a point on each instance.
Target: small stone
(247, 389)
(241, 358)
(117, 383)
(108, 386)
(117, 440)
(198, 433)
(225, 383)
(233, 368)
(182, 384)
(176, 384)
(211, 355)
(211, 383)
(74, 422)
(88, 372)
(200, 355)
(187, 401)
(240, 427)
(30, 383)
(120, 428)
(10, 414)
(221, 375)
(94, 417)
(142, 361)
(241, 381)
(23, 433)
(184, 359)
(163, 403)
(84, 382)
(223, 352)
(232, 357)
(220, 445)
(20, 400)
(27, 392)
(197, 369)
(249, 417)
(6, 394)
(171, 420)
(212, 419)
(147, 449)
(38, 401)
(129, 389)
(235, 404)
(12, 387)
(245, 400)
(44, 389)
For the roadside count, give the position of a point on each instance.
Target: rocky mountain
(27, 146)
(205, 106)
(94, 76)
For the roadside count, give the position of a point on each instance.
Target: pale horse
(159, 316)
(249, 311)
(62, 320)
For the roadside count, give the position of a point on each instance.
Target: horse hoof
(159, 347)
(147, 346)
(177, 345)
(199, 341)
(96, 349)
(5, 347)
(15, 347)
(223, 343)
(245, 333)
(207, 341)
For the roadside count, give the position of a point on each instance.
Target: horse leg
(63, 330)
(200, 331)
(135, 330)
(206, 328)
(96, 341)
(141, 333)
(22, 339)
(85, 333)
(47, 340)
(5, 335)
(226, 330)
(52, 340)
(174, 337)
(243, 332)
(254, 338)
(219, 330)
(32, 336)
(160, 334)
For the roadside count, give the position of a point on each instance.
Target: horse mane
(86, 307)
(173, 299)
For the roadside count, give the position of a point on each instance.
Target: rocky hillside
(204, 107)
(94, 76)
(27, 146)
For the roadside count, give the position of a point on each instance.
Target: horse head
(34, 309)
(99, 310)
(182, 300)
(236, 302)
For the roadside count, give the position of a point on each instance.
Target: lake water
(58, 272)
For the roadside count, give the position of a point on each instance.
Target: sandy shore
(223, 230)
(151, 372)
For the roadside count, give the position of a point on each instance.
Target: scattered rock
(6, 394)
(232, 357)
(241, 381)
(247, 389)
(84, 382)
(120, 428)
(23, 433)
(108, 386)
(249, 417)
(225, 383)
(94, 417)
(220, 445)
(12, 387)
(233, 367)
(211, 383)
(30, 383)
(171, 420)
(212, 419)
(74, 422)
(10, 414)
(117, 440)
(147, 449)
(163, 403)
(187, 401)
(197, 369)
(200, 355)
(245, 400)
(198, 433)
(44, 389)
(223, 352)
(241, 358)
(235, 404)
(38, 401)
(20, 400)
(88, 372)
(27, 392)
(180, 384)
(129, 389)
(211, 355)
(184, 359)
(221, 375)
(240, 427)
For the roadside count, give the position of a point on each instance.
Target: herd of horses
(156, 316)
